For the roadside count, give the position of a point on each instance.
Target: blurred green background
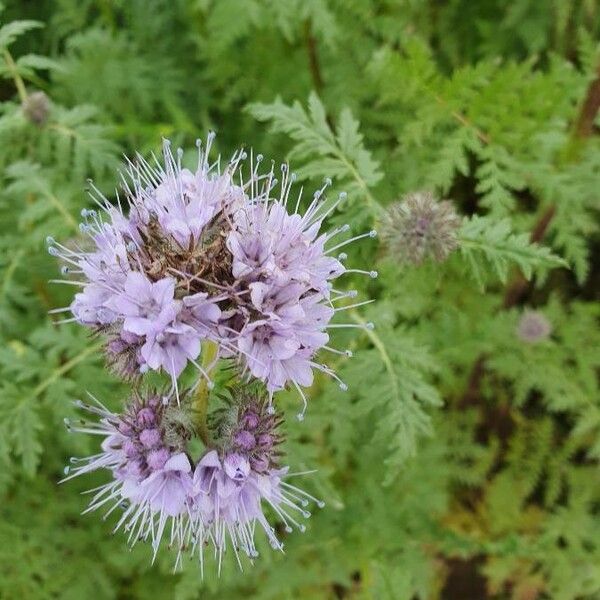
(463, 462)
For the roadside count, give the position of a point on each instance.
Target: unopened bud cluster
(36, 108)
(419, 227)
(217, 500)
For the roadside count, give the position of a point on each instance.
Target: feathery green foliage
(462, 463)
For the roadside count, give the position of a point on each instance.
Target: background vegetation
(463, 462)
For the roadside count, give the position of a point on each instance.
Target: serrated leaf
(11, 31)
(485, 243)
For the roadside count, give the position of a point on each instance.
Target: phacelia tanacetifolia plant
(205, 262)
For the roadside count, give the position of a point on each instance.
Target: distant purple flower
(533, 327)
(420, 227)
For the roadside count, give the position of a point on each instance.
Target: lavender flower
(199, 257)
(229, 501)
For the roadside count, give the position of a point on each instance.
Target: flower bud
(150, 438)
(36, 108)
(145, 416)
(244, 440)
(157, 458)
(419, 227)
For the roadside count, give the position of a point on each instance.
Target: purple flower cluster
(200, 257)
(217, 501)
(204, 260)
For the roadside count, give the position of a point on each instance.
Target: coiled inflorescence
(161, 492)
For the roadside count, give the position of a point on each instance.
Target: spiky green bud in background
(419, 227)
(36, 108)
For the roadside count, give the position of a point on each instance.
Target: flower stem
(12, 69)
(200, 401)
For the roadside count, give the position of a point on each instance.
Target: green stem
(62, 210)
(200, 401)
(12, 67)
(65, 368)
(380, 347)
